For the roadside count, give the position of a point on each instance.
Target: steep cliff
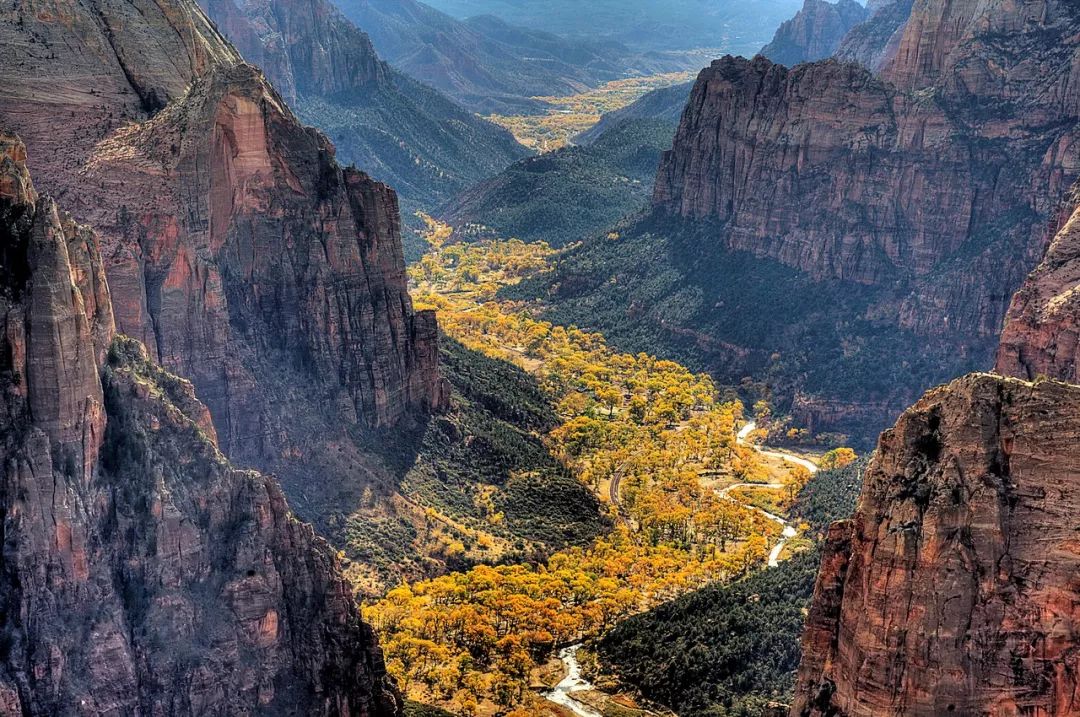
(1042, 329)
(398, 130)
(237, 249)
(874, 43)
(908, 206)
(953, 588)
(141, 573)
(815, 32)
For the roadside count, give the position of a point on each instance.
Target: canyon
(142, 573)
(399, 130)
(237, 249)
(953, 584)
(903, 206)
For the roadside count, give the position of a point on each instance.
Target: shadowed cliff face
(953, 589)
(140, 571)
(815, 32)
(237, 249)
(874, 42)
(1042, 328)
(928, 184)
(393, 127)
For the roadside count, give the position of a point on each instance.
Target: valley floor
(691, 499)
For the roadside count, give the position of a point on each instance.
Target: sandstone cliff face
(141, 573)
(393, 127)
(1042, 329)
(815, 32)
(237, 249)
(940, 164)
(953, 588)
(305, 47)
(874, 43)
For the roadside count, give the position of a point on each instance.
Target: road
(789, 532)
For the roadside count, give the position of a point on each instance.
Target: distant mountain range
(739, 27)
(491, 66)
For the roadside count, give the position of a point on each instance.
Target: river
(789, 531)
(562, 693)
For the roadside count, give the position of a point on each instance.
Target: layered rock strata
(953, 590)
(141, 572)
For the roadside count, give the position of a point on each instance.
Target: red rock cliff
(1042, 329)
(953, 590)
(141, 573)
(933, 176)
(304, 46)
(237, 249)
(815, 32)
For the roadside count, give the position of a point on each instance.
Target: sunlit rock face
(953, 589)
(237, 249)
(141, 572)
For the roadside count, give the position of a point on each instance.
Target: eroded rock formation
(815, 32)
(874, 42)
(142, 573)
(926, 185)
(1042, 329)
(953, 589)
(237, 249)
(398, 130)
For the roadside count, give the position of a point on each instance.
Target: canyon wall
(237, 249)
(141, 572)
(397, 129)
(815, 32)
(923, 183)
(1042, 329)
(953, 588)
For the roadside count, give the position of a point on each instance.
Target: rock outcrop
(815, 32)
(1042, 329)
(874, 42)
(953, 589)
(237, 249)
(925, 186)
(305, 47)
(141, 573)
(398, 130)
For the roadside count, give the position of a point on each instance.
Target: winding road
(789, 531)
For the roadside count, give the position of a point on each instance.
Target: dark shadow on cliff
(474, 484)
(830, 351)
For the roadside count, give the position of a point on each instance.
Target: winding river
(563, 693)
(789, 531)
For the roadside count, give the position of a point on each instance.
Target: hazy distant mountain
(815, 32)
(735, 26)
(492, 66)
(397, 129)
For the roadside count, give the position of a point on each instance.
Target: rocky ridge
(1041, 336)
(141, 572)
(397, 129)
(237, 249)
(815, 32)
(952, 590)
(873, 43)
(926, 184)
